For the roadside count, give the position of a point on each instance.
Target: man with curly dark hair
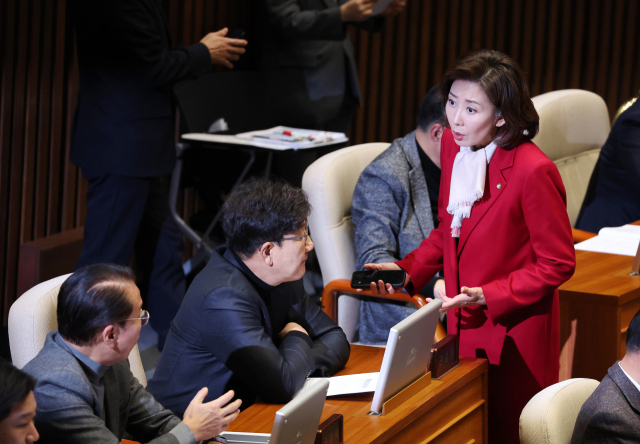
(246, 323)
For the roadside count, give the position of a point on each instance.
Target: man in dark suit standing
(309, 65)
(123, 138)
(612, 412)
(308, 61)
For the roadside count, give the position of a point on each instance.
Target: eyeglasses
(144, 318)
(305, 236)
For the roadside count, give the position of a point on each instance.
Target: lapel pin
(499, 186)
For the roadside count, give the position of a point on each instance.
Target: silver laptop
(295, 423)
(406, 357)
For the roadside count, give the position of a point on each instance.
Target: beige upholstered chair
(550, 416)
(33, 316)
(574, 124)
(329, 183)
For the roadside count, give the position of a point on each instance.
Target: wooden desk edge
(469, 369)
(480, 366)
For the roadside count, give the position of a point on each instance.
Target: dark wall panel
(587, 44)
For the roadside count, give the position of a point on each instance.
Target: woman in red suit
(504, 239)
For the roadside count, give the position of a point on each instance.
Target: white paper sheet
(284, 136)
(380, 6)
(346, 385)
(614, 240)
(350, 384)
(623, 232)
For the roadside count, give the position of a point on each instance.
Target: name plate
(444, 356)
(330, 431)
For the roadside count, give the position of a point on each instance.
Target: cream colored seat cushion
(550, 416)
(329, 183)
(574, 125)
(33, 316)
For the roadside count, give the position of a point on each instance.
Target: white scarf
(467, 183)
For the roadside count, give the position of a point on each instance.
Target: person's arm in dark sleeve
(138, 35)
(237, 338)
(293, 22)
(628, 148)
(330, 347)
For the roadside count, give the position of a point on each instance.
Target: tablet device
(295, 423)
(406, 357)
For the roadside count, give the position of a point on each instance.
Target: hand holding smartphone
(362, 279)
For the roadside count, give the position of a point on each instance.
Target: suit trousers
(131, 214)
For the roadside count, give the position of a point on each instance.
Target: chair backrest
(239, 97)
(550, 416)
(329, 183)
(33, 316)
(574, 124)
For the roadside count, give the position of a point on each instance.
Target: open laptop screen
(406, 357)
(295, 423)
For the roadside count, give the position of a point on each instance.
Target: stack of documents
(622, 240)
(284, 136)
(279, 138)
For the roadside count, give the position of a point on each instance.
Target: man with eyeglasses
(246, 323)
(85, 390)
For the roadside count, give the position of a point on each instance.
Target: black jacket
(613, 196)
(224, 337)
(128, 65)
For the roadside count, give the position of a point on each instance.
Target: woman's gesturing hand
(383, 289)
(467, 297)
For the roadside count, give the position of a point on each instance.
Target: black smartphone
(236, 34)
(362, 279)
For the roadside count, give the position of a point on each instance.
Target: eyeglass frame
(144, 319)
(304, 236)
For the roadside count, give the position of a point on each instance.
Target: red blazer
(517, 245)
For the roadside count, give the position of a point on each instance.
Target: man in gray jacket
(612, 412)
(395, 207)
(85, 390)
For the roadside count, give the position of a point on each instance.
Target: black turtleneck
(432, 177)
(264, 290)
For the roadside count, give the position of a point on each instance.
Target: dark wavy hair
(503, 82)
(262, 210)
(15, 386)
(92, 298)
(633, 334)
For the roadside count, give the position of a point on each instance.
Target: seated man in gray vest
(394, 208)
(85, 390)
(246, 323)
(612, 412)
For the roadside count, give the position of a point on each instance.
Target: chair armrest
(581, 235)
(343, 286)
